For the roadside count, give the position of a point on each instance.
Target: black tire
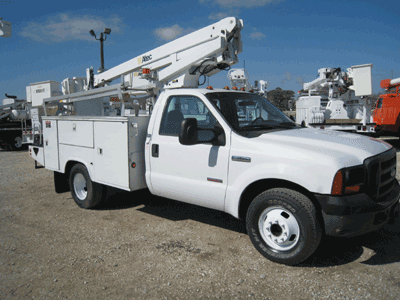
(86, 193)
(16, 143)
(281, 241)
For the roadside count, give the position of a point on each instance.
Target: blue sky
(285, 42)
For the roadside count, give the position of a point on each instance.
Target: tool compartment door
(76, 133)
(50, 145)
(111, 162)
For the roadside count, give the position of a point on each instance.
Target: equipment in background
(239, 79)
(5, 28)
(387, 111)
(15, 123)
(336, 100)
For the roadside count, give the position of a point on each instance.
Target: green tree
(280, 98)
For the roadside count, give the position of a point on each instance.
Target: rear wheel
(283, 226)
(16, 143)
(86, 193)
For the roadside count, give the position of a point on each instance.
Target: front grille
(380, 179)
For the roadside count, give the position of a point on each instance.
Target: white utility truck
(336, 100)
(290, 184)
(15, 123)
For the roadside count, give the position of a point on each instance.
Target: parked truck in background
(15, 123)
(222, 149)
(336, 100)
(387, 111)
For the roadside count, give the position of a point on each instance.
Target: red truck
(387, 112)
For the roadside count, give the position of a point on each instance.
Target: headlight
(348, 180)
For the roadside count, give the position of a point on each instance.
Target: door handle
(154, 150)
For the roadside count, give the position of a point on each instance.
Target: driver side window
(182, 107)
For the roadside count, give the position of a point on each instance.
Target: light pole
(103, 37)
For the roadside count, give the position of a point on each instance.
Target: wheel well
(69, 166)
(257, 187)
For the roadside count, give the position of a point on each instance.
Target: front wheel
(283, 226)
(86, 193)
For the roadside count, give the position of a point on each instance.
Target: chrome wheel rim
(279, 228)
(80, 186)
(18, 142)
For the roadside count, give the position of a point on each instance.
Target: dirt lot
(137, 246)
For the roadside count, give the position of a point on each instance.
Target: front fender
(312, 179)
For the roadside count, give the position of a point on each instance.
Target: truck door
(195, 174)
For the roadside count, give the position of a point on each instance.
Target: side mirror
(189, 132)
(219, 136)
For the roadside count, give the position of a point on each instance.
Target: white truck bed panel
(50, 143)
(111, 162)
(79, 154)
(137, 136)
(78, 133)
(111, 148)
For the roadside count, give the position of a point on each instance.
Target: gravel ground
(138, 246)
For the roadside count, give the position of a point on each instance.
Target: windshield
(379, 104)
(249, 112)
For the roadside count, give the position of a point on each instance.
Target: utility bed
(111, 148)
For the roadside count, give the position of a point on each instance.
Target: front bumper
(357, 214)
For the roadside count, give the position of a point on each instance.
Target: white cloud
(257, 35)
(169, 33)
(242, 3)
(217, 16)
(65, 27)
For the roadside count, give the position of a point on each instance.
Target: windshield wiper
(263, 126)
(289, 123)
(269, 126)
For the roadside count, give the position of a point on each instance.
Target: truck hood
(347, 149)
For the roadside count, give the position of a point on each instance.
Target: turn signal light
(337, 186)
(226, 87)
(235, 88)
(209, 87)
(352, 189)
(146, 71)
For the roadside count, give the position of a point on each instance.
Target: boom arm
(181, 62)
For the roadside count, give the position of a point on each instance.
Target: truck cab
(387, 111)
